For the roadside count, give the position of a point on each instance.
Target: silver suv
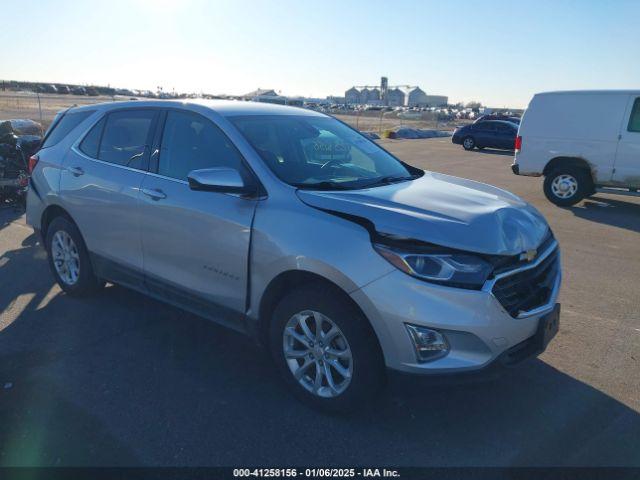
(347, 264)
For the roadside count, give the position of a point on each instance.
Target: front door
(100, 184)
(195, 243)
(627, 166)
(485, 134)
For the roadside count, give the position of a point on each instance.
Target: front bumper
(529, 348)
(478, 329)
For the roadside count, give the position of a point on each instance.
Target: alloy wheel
(66, 258)
(317, 354)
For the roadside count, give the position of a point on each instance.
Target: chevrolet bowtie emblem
(528, 255)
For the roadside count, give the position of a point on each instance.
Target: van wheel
(468, 143)
(69, 259)
(567, 186)
(325, 350)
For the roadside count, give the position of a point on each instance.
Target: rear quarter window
(91, 142)
(61, 129)
(634, 119)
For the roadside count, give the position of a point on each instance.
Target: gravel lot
(120, 379)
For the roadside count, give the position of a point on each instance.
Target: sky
(498, 52)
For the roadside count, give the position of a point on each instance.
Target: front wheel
(325, 350)
(567, 186)
(468, 143)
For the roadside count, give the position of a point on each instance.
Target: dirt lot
(120, 379)
(378, 122)
(43, 108)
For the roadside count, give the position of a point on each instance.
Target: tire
(468, 143)
(365, 365)
(84, 282)
(566, 186)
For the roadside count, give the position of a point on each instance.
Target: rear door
(505, 136)
(195, 243)
(100, 184)
(627, 163)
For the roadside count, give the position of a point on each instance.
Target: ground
(120, 379)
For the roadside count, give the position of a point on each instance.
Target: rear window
(68, 122)
(634, 120)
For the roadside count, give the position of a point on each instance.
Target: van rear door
(627, 165)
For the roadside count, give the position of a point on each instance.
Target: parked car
(46, 88)
(492, 134)
(582, 142)
(346, 269)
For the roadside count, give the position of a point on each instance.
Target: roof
(260, 92)
(228, 108)
(507, 122)
(592, 92)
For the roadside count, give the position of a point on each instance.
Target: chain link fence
(43, 107)
(383, 122)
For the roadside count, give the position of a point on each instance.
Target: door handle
(76, 171)
(154, 194)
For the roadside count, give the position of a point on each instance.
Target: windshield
(319, 152)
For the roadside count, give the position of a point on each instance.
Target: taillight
(518, 144)
(33, 161)
(23, 180)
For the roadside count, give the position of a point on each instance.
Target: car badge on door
(529, 255)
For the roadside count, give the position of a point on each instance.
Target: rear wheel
(325, 350)
(68, 258)
(468, 143)
(566, 186)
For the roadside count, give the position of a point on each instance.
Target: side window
(504, 128)
(126, 137)
(191, 142)
(634, 120)
(68, 122)
(91, 142)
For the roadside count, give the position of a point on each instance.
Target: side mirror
(221, 179)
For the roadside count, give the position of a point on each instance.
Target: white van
(582, 142)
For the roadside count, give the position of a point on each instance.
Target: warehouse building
(393, 96)
(270, 96)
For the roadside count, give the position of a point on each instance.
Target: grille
(529, 289)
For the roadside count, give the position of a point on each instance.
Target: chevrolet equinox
(290, 226)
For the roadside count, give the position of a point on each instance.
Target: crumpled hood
(443, 210)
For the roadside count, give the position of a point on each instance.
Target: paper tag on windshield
(365, 145)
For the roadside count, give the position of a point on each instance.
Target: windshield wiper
(389, 179)
(322, 186)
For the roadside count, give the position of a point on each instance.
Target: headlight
(453, 269)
